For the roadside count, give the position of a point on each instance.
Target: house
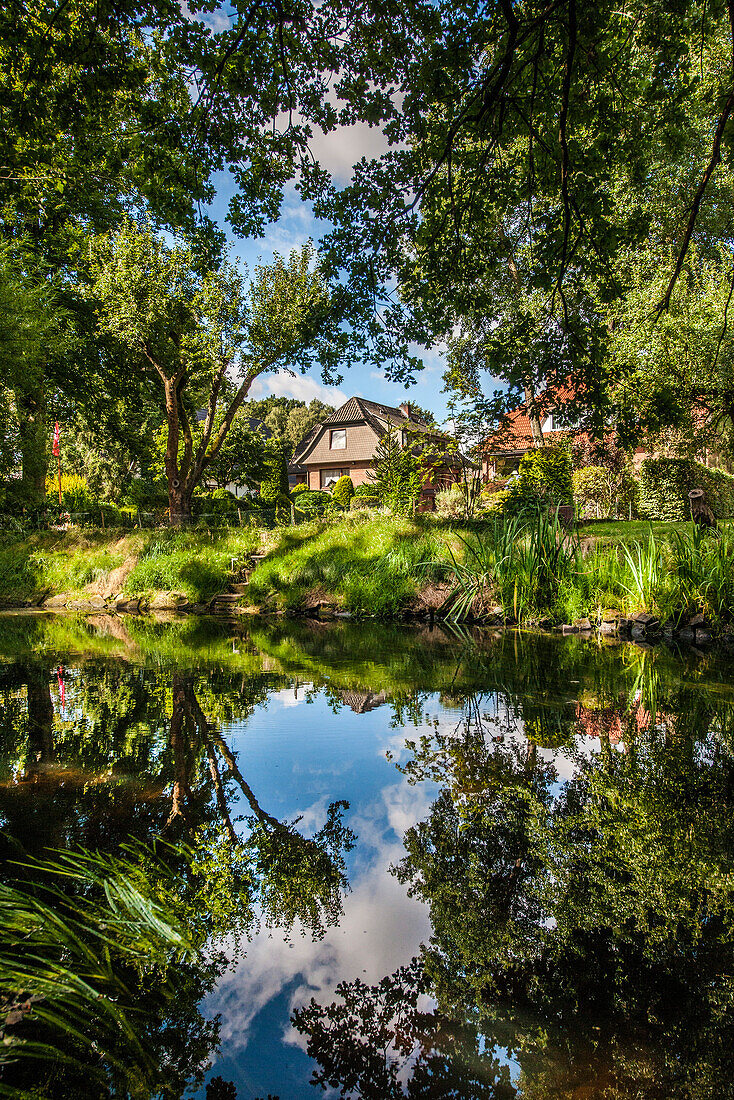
(502, 450)
(346, 441)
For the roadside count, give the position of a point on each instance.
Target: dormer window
(338, 439)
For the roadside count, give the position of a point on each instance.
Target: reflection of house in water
(363, 701)
(613, 722)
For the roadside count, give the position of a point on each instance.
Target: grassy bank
(370, 564)
(82, 561)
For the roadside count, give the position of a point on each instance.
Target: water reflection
(558, 817)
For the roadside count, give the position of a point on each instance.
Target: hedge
(666, 482)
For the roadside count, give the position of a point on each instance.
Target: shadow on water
(574, 855)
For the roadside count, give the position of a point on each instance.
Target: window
(338, 439)
(558, 422)
(329, 478)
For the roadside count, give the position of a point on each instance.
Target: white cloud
(339, 150)
(301, 386)
(381, 929)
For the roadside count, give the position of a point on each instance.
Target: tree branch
(705, 179)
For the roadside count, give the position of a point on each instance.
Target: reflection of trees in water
(587, 927)
(380, 1042)
(78, 778)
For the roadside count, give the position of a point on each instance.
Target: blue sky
(337, 151)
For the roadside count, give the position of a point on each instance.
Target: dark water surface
(412, 863)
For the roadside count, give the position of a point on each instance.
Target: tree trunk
(179, 505)
(30, 403)
(179, 491)
(40, 718)
(533, 416)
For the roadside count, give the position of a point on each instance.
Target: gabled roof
(515, 431)
(358, 410)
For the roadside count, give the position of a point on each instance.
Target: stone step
(225, 599)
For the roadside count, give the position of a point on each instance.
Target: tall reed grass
(532, 567)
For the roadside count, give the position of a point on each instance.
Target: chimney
(405, 409)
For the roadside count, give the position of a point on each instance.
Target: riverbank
(631, 580)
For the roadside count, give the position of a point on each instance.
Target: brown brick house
(345, 443)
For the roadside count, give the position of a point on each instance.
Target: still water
(406, 862)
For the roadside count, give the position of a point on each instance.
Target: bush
(343, 491)
(367, 491)
(666, 482)
(298, 489)
(274, 486)
(544, 477)
(74, 493)
(601, 492)
(450, 502)
(220, 502)
(313, 502)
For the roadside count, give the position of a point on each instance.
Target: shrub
(450, 502)
(544, 477)
(313, 502)
(302, 487)
(343, 491)
(666, 482)
(274, 486)
(601, 492)
(366, 491)
(74, 493)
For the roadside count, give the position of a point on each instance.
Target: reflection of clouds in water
(381, 929)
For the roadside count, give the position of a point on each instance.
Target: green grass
(51, 562)
(195, 563)
(369, 564)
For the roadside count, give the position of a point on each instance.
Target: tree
(676, 371)
(508, 216)
(398, 473)
(287, 417)
(193, 330)
(30, 329)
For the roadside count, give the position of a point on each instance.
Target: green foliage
(197, 565)
(367, 492)
(398, 473)
(343, 491)
(75, 493)
(522, 564)
(666, 482)
(302, 487)
(600, 491)
(370, 564)
(313, 502)
(72, 954)
(544, 476)
(274, 485)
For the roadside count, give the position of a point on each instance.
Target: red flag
(56, 449)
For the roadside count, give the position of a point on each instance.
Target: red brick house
(502, 450)
(345, 443)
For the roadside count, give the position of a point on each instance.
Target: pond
(391, 862)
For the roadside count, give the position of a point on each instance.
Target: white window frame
(342, 434)
(330, 475)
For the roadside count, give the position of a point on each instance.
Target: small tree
(343, 491)
(274, 485)
(207, 336)
(399, 473)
